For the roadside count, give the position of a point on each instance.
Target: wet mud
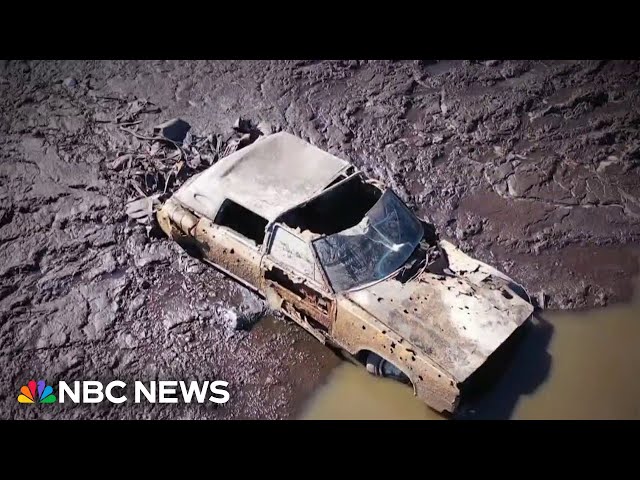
(530, 166)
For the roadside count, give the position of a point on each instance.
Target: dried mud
(531, 166)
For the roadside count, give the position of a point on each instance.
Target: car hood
(456, 322)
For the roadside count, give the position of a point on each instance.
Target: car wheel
(376, 365)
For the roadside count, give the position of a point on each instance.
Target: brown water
(578, 365)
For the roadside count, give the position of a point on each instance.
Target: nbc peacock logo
(44, 393)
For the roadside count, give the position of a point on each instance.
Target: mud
(530, 166)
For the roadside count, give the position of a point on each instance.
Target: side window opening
(242, 221)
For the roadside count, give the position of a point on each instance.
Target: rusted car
(346, 259)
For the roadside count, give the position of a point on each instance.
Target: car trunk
(455, 322)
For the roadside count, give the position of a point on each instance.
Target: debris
(244, 141)
(491, 63)
(542, 300)
(251, 131)
(230, 319)
(243, 125)
(133, 110)
(174, 130)
(70, 82)
(119, 162)
(443, 106)
(142, 209)
(172, 321)
(266, 128)
(173, 152)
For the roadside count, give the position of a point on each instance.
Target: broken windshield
(374, 248)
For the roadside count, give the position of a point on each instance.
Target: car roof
(269, 177)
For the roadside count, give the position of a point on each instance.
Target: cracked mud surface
(530, 166)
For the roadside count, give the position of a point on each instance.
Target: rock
(230, 319)
(174, 130)
(491, 63)
(70, 82)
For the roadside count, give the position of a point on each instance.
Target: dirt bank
(531, 166)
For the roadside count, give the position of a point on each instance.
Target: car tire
(376, 365)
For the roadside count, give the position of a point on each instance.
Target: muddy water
(579, 365)
(353, 394)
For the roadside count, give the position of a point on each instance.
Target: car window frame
(237, 235)
(322, 283)
(368, 284)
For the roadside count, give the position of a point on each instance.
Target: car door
(232, 242)
(294, 282)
